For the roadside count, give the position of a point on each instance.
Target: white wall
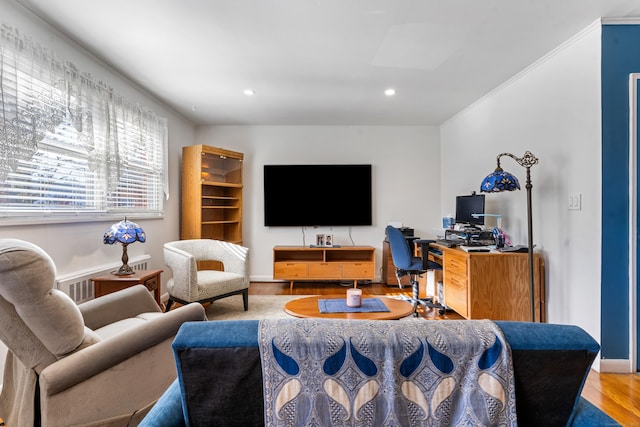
(553, 110)
(406, 179)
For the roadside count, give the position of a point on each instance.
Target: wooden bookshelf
(211, 193)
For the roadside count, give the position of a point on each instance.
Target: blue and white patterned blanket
(330, 372)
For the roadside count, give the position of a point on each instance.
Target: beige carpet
(260, 307)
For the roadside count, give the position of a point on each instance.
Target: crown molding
(620, 21)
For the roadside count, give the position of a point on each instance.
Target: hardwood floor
(618, 395)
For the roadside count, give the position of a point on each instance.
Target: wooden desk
(308, 307)
(491, 285)
(104, 285)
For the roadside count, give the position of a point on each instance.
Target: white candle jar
(354, 297)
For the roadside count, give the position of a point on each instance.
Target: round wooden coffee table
(308, 307)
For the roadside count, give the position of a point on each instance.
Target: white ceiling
(324, 62)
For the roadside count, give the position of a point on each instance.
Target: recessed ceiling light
(390, 92)
(249, 92)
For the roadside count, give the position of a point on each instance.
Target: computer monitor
(467, 206)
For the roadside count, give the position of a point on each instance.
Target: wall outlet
(575, 201)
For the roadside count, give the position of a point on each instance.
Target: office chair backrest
(400, 251)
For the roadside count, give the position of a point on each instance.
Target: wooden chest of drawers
(456, 282)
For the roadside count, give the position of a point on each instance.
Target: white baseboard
(264, 279)
(616, 366)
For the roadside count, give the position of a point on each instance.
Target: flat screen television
(468, 205)
(323, 195)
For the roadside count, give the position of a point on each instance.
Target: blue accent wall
(620, 57)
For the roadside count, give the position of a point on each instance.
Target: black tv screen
(466, 206)
(324, 195)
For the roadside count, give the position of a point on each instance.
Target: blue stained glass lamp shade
(124, 232)
(498, 181)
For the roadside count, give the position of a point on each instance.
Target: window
(71, 148)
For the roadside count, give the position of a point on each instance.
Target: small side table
(104, 285)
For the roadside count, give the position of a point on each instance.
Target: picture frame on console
(328, 240)
(320, 240)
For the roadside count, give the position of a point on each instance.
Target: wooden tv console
(317, 263)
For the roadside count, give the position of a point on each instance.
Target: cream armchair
(190, 285)
(104, 362)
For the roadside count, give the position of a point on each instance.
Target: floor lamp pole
(532, 288)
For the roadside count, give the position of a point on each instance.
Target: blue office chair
(412, 266)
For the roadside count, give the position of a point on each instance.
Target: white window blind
(70, 147)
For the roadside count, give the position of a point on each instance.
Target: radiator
(78, 285)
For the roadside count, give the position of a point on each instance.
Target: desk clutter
(477, 249)
(470, 237)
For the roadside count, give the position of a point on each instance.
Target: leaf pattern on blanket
(440, 360)
(411, 363)
(366, 365)
(366, 393)
(287, 393)
(490, 385)
(339, 394)
(334, 363)
(444, 389)
(412, 392)
(286, 362)
(491, 355)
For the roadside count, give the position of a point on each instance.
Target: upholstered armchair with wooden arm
(192, 285)
(104, 362)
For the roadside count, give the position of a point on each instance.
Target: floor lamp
(499, 181)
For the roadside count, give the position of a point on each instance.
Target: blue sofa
(220, 376)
